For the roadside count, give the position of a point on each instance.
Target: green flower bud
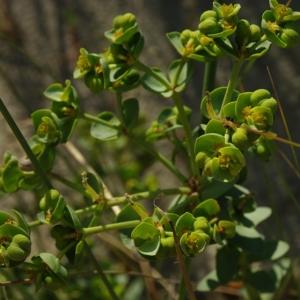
(258, 96)
(125, 27)
(47, 131)
(167, 248)
(290, 34)
(209, 26)
(254, 34)
(243, 139)
(94, 82)
(20, 247)
(202, 158)
(124, 22)
(202, 224)
(208, 14)
(50, 200)
(190, 40)
(243, 27)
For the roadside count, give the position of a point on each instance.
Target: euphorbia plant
(211, 206)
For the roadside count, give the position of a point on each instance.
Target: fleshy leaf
(186, 72)
(153, 85)
(216, 97)
(208, 209)
(105, 133)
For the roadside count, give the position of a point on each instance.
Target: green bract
(283, 13)
(47, 271)
(14, 240)
(10, 173)
(284, 35)
(125, 27)
(228, 164)
(220, 24)
(52, 206)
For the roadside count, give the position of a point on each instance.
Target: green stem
(90, 254)
(148, 147)
(116, 226)
(97, 213)
(187, 130)
(136, 197)
(245, 72)
(34, 223)
(18, 134)
(150, 72)
(237, 64)
(123, 200)
(91, 118)
(65, 250)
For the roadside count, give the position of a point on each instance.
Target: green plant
(211, 206)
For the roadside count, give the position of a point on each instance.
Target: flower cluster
(219, 150)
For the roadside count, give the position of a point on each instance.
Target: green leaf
(208, 209)
(257, 216)
(227, 46)
(216, 97)
(54, 264)
(105, 133)
(185, 224)
(248, 239)
(136, 45)
(54, 92)
(272, 36)
(214, 188)
(209, 142)
(215, 126)
(21, 222)
(71, 217)
(209, 282)
(227, 260)
(272, 251)
(267, 282)
(130, 110)
(11, 175)
(174, 38)
(156, 86)
(185, 69)
(127, 213)
(146, 238)
(118, 72)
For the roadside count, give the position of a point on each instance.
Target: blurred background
(39, 46)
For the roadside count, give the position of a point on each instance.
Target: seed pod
(208, 14)
(290, 34)
(209, 26)
(20, 247)
(254, 34)
(243, 139)
(94, 82)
